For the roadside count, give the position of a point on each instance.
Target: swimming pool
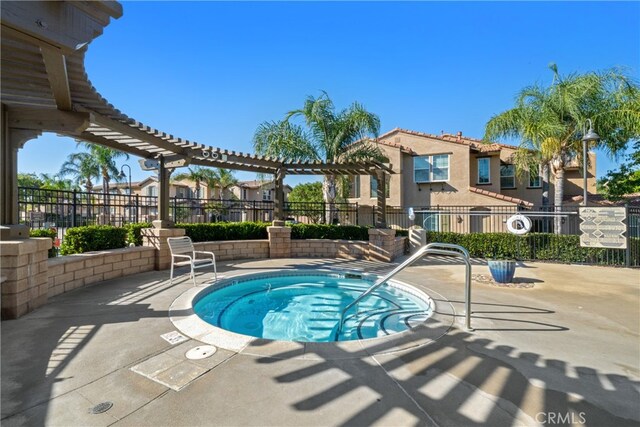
(305, 306)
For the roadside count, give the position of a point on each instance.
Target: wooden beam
(56, 66)
(49, 120)
(89, 137)
(60, 24)
(136, 133)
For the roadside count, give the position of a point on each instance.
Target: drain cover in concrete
(201, 352)
(101, 408)
(174, 337)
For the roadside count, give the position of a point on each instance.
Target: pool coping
(190, 324)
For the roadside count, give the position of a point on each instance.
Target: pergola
(45, 88)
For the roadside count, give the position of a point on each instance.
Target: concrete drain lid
(101, 407)
(201, 352)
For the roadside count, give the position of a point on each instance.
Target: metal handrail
(431, 248)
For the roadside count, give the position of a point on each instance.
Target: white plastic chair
(182, 247)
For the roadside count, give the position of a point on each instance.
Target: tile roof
(500, 196)
(476, 144)
(632, 199)
(396, 145)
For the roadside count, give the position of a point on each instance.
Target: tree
(550, 121)
(626, 179)
(224, 179)
(29, 180)
(105, 159)
(56, 182)
(197, 175)
(82, 167)
(329, 137)
(305, 198)
(310, 192)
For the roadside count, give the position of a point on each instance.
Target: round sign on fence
(518, 224)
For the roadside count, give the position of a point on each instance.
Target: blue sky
(212, 71)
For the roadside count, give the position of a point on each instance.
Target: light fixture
(589, 136)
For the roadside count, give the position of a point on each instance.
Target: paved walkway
(566, 349)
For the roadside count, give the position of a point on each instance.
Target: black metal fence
(40, 208)
(483, 219)
(60, 209)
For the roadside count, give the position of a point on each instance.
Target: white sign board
(603, 228)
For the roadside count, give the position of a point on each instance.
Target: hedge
(535, 246)
(207, 232)
(44, 232)
(327, 231)
(78, 240)
(134, 232)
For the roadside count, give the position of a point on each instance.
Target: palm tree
(82, 167)
(550, 121)
(105, 158)
(56, 182)
(198, 175)
(224, 179)
(329, 137)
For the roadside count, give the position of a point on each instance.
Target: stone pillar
(381, 244)
(157, 238)
(23, 274)
(279, 240)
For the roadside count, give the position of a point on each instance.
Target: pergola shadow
(461, 379)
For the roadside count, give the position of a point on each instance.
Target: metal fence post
(357, 214)
(137, 208)
(73, 209)
(175, 208)
(628, 250)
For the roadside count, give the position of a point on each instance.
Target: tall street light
(588, 137)
(122, 173)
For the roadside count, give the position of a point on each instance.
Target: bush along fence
(103, 237)
(538, 247)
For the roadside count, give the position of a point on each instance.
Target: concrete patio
(564, 351)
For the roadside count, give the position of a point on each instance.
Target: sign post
(603, 227)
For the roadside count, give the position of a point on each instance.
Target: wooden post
(278, 205)
(163, 220)
(11, 140)
(381, 205)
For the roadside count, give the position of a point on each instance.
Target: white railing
(430, 249)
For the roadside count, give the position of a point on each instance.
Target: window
(535, 180)
(484, 170)
(354, 187)
(507, 176)
(266, 194)
(431, 168)
(437, 222)
(152, 190)
(244, 194)
(374, 186)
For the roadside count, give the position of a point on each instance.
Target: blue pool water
(307, 307)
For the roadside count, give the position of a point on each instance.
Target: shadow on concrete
(464, 380)
(57, 333)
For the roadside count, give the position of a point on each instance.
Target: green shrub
(44, 232)
(326, 231)
(78, 240)
(134, 232)
(207, 232)
(534, 246)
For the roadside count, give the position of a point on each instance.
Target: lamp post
(589, 136)
(122, 173)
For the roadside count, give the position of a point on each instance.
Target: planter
(502, 271)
